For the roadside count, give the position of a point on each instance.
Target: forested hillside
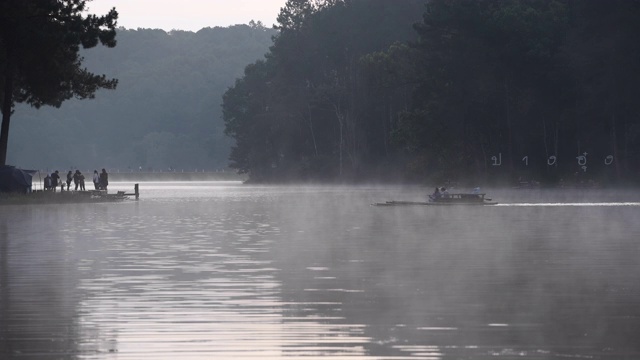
(165, 112)
(309, 111)
(510, 90)
(365, 90)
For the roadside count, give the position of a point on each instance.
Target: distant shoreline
(176, 176)
(159, 176)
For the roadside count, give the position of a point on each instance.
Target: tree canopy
(164, 114)
(303, 112)
(513, 90)
(531, 89)
(40, 62)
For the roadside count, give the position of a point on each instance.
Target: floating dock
(51, 197)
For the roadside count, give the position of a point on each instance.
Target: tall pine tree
(40, 63)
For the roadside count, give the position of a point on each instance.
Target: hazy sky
(190, 15)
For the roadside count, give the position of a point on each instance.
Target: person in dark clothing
(96, 180)
(69, 179)
(76, 179)
(47, 182)
(55, 178)
(436, 195)
(104, 180)
(81, 181)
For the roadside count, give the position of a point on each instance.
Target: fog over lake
(204, 270)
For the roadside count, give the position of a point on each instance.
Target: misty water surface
(225, 270)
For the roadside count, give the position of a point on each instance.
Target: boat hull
(446, 203)
(436, 203)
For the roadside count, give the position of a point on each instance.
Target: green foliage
(488, 90)
(525, 78)
(166, 112)
(484, 63)
(305, 115)
(39, 53)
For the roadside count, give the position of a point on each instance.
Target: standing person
(104, 179)
(47, 182)
(69, 179)
(76, 179)
(81, 180)
(96, 180)
(55, 177)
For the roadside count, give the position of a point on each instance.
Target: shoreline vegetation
(477, 90)
(41, 197)
(176, 176)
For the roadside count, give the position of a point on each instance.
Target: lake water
(222, 270)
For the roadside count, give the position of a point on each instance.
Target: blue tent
(17, 180)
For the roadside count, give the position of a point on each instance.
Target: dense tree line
(446, 90)
(306, 110)
(165, 112)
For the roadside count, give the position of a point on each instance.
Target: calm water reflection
(224, 270)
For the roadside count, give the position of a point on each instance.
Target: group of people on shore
(52, 181)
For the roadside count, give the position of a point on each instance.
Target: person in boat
(436, 195)
(444, 192)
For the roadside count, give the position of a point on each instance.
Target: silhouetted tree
(490, 90)
(314, 91)
(39, 54)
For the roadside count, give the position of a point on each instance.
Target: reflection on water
(224, 270)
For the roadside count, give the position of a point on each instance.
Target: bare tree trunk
(387, 130)
(484, 158)
(353, 145)
(555, 144)
(544, 139)
(626, 148)
(546, 145)
(6, 111)
(509, 129)
(313, 134)
(614, 140)
(340, 118)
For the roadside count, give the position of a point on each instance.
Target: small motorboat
(461, 199)
(446, 199)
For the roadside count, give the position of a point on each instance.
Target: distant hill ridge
(165, 112)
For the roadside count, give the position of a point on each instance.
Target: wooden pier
(51, 197)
